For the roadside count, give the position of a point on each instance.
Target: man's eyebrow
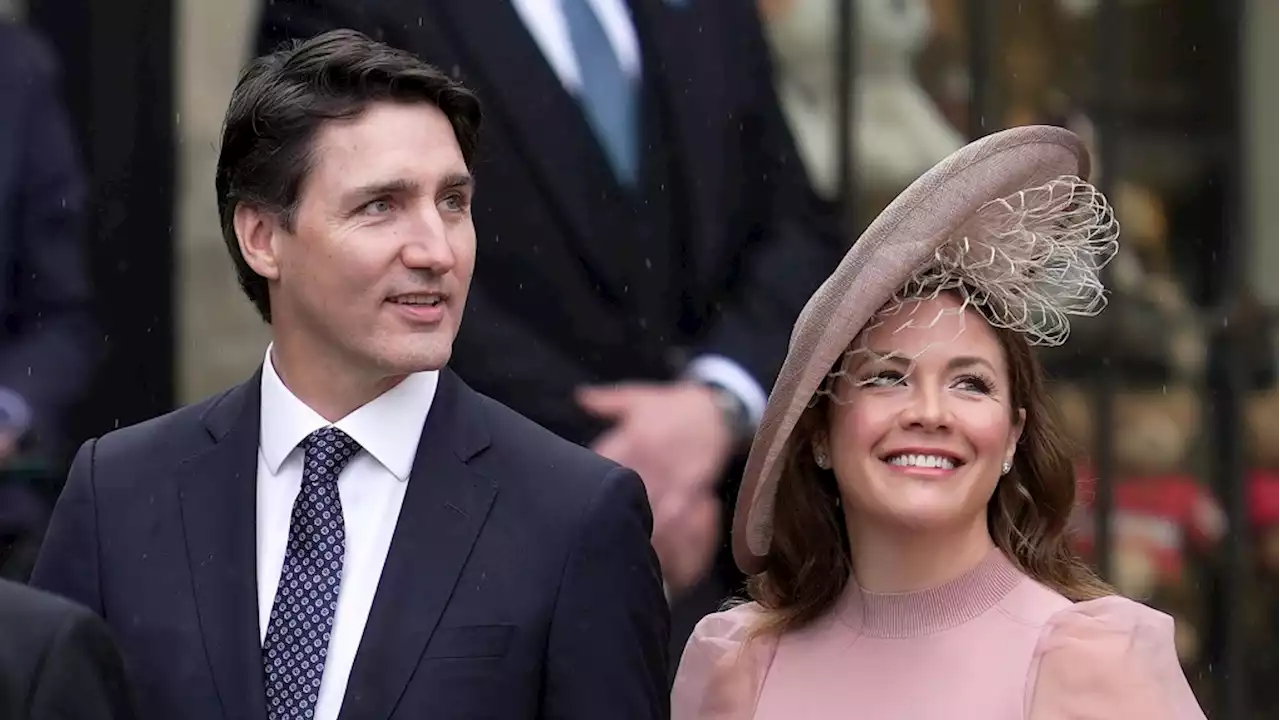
(389, 187)
(402, 186)
(453, 181)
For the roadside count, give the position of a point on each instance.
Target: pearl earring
(1004, 469)
(820, 457)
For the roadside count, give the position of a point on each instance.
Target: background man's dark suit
(57, 661)
(577, 283)
(46, 336)
(500, 596)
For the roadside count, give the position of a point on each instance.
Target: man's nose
(428, 247)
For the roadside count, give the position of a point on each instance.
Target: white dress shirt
(546, 23)
(372, 490)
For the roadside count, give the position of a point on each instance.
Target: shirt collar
(388, 427)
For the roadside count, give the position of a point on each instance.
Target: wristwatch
(734, 411)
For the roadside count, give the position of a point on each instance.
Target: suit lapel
(218, 499)
(445, 507)
(672, 35)
(534, 107)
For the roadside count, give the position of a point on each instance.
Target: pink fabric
(990, 645)
(1109, 658)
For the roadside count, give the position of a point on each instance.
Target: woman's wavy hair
(808, 563)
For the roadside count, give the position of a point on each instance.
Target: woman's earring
(1004, 469)
(820, 457)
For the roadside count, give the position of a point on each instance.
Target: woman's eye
(974, 383)
(883, 378)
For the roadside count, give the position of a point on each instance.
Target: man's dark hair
(281, 101)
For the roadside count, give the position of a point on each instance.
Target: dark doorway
(117, 70)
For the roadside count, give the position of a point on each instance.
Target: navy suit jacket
(520, 582)
(46, 338)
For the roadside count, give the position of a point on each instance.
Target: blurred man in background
(646, 233)
(46, 335)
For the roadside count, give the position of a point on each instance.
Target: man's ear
(257, 231)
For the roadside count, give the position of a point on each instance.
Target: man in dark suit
(46, 344)
(355, 532)
(57, 660)
(647, 231)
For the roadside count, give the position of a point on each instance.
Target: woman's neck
(903, 559)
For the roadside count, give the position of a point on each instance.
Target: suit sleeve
(68, 560)
(83, 675)
(607, 652)
(797, 241)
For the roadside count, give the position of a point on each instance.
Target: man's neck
(332, 392)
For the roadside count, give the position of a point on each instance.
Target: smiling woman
(903, 515)
(920, 444)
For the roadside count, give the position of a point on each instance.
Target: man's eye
(455, 202)
(377, 207)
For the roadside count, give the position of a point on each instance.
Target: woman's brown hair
(808, 563)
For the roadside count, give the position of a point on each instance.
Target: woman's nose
(926, 409)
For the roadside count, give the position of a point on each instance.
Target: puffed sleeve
(723, 668)
(1108, 659)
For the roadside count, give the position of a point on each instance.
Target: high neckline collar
(924, 612)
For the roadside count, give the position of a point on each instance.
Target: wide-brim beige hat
(904, 238)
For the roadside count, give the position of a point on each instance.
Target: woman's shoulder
(723, 666)
(1113, 655)
(1110, 614)
(1106, 630)
(733, 623)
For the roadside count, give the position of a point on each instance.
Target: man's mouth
(422, 299)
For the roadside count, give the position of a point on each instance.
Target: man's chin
(417, 357)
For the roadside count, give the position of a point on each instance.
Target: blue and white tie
(301, 621)
(608, 96)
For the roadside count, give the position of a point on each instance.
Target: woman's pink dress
(990, 645)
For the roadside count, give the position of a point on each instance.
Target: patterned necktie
(302, 616)
(608, 96)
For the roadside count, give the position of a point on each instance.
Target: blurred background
(1172, 393)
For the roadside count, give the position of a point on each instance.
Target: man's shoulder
(178, 430)
(34, 614)
(562, 492)
(60, 658)
(527, 446)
